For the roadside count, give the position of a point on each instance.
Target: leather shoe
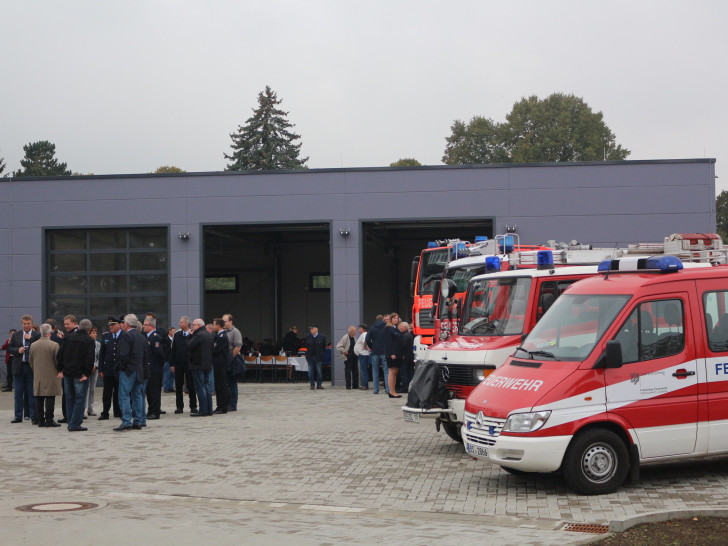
(122, 428)
(162, 412)
(77, 429)
(41, 424)
(230, 408)
(219, 411)
(52, 424)
(363, 388)
(104, 417)
(198, 414)
(394, 396)
(152, 417)
(136, 427)
(179, 410)
(194, 411)
(91, 414)
(64, 420)
(16, 421)
(320, 388)
(34, 422)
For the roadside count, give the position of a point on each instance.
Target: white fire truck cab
(626, 368)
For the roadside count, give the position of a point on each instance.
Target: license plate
(411, 417)
(478, 451)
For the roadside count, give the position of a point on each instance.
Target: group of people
(389, 344)
(131, 359)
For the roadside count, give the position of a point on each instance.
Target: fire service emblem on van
(444, 357)
(479, 418)
(445, 373)
(634, 377)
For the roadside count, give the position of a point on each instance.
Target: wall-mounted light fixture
(185, 236)
(511, 229)
(344, 232)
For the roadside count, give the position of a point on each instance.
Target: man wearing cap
(315, 347)
(108, 367)
(133, 373)
(158, 355)
(361, 349)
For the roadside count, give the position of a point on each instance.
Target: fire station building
(325, 246)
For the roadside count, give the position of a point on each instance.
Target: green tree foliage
(40, 160)
(721, 215)
(558, 128)
(166, 169)
(265, 142)
(406, 162)
(480, 141)
(2, 165)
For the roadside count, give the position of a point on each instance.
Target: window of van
(653, 330)
(715, 305)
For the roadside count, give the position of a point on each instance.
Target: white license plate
(411, 417)
(478, 451)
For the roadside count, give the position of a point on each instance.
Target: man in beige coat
(46, 383)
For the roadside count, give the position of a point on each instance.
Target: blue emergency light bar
(544, 259)
(506, 244)
(663, 264)
(460, 250)
(492, 263)
(481, 238)
(431, 244)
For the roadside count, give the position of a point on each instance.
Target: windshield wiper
(531, 354)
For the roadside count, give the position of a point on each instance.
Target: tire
(452, 430)
(515, 471)
(596, 462)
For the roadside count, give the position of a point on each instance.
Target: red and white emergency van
(626, 368)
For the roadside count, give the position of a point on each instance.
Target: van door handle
(682, 373)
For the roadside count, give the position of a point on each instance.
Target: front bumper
(454, 412)
(529, 454)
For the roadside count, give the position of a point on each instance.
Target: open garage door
(390, 246)
(268, 276)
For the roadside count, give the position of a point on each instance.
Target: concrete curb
(656, 517)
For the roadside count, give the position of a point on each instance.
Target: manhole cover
(587, 528)
(57, 507)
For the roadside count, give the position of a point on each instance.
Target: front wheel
(452, 430)
(596, 462)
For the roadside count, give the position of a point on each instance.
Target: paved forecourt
(323, 466)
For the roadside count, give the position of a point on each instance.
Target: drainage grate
(57, 507)
(587, 528)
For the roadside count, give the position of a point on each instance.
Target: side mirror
(435, 293)
(612, 357)
(447, 289)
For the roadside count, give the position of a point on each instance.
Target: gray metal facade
(600, 203)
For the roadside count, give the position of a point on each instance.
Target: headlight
(481, 373)
(444, 334)
(526, 422)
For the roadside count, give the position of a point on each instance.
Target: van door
(714, 299)
(656, 388)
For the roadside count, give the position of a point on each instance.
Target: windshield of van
(432, 264)
(462, 275)
(496, 307)
(571, 327)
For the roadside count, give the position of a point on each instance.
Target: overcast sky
(124, 87)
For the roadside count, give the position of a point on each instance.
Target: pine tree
(2, 165)
(265, 143)
(40, 160)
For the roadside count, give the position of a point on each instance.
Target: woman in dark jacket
(393, 343)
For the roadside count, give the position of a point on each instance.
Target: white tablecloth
(298, 362)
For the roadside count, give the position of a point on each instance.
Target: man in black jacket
(158, 354)
(133, 363)
(315, 347)
(221, 359)
(180, 367)
(199, 348)
(108, 367)
(375, 340)
(76, 363)
(19, 350)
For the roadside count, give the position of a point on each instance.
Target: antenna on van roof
(606, 275)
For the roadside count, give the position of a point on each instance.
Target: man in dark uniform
(199, 348)
(180, 367)
(108, 367)
(157, 357)
(221, 359)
